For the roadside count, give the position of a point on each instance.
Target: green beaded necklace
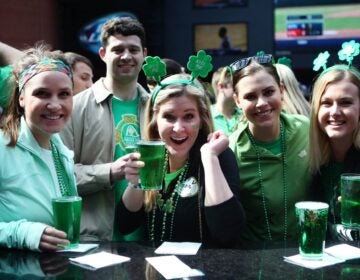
(169, 205)
(284, 173)
(62, 177)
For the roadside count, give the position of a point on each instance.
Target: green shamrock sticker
(200, 65)
(349, 51)
(285, 61)
(321, 61)
(154, 68)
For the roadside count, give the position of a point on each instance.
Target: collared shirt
(228, 126)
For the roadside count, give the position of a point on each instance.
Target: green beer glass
(311, 218)
(350, 200)
(67, 216)
(153, 155)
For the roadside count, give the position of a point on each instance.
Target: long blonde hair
(175, 89)
(320, 151)
(294, 100)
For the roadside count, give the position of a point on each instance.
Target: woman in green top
(271, 148)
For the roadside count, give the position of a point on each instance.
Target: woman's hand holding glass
(52, 240)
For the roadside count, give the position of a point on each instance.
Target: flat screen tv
(220, 39)
(313, 26)
(219, 3)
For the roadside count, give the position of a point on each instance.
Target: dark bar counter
(263, 261)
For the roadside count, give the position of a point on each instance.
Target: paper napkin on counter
(344, 252)
(178, 248)
(326, 260)
(82, 248)
(171, 267)
(98, 260)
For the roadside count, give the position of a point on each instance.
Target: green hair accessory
(285, 61)
(199, 65)
(349, 51)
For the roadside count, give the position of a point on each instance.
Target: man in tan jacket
(106, 118)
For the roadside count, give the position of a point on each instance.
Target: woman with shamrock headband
(36, 166)
(201, 177)
(271, 148)
(334, 130)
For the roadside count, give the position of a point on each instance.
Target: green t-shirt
(127, 133)
(228, 126)
(5, 85)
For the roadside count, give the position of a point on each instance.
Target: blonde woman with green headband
(201, 180)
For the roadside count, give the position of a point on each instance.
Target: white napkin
(344, 252)
(326, 260)
(82, 248)
(178, 248)
(98, 260)
(171, 267)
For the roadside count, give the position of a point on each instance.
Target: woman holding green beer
(35, 165)
(199, 199)
(334, 135)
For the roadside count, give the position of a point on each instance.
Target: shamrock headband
(199, 65)
(348, 52)
(45, 64)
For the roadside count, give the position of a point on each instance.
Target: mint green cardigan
(26, 189)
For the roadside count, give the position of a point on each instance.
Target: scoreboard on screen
(304, 25)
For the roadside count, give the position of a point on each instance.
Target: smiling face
(124, 57)
(339, 111)
(47, 102)
(178, 123)
(260, 98)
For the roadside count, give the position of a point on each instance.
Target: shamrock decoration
(154, 67)
(285, 60)
(349, 51)
(321, 61)
(200, 65)
(159, 200)
(260, 53)
(168, 207)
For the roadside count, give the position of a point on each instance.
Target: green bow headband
(199, 65)
(349, 51)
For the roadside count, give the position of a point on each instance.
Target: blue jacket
(26, 189)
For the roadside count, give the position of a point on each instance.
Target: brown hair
(14, 111)
(125, 26)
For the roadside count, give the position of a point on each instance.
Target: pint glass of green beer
(67, 216)
(153, 155)
(350, 200)
(311, 218)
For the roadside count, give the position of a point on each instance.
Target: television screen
(316, 26)
(219, 3)
(221, 39)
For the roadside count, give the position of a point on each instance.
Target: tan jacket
(90, 133)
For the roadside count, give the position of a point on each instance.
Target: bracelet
(134, 186)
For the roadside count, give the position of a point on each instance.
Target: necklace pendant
(168, 207)
(159, 200)
(189, 187)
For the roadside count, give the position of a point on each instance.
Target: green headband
(348, 52)
(199, 65)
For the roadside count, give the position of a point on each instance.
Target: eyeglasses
(242, 63)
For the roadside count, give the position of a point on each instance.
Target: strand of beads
(284, 174)
(60, 172)
(167, 207)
